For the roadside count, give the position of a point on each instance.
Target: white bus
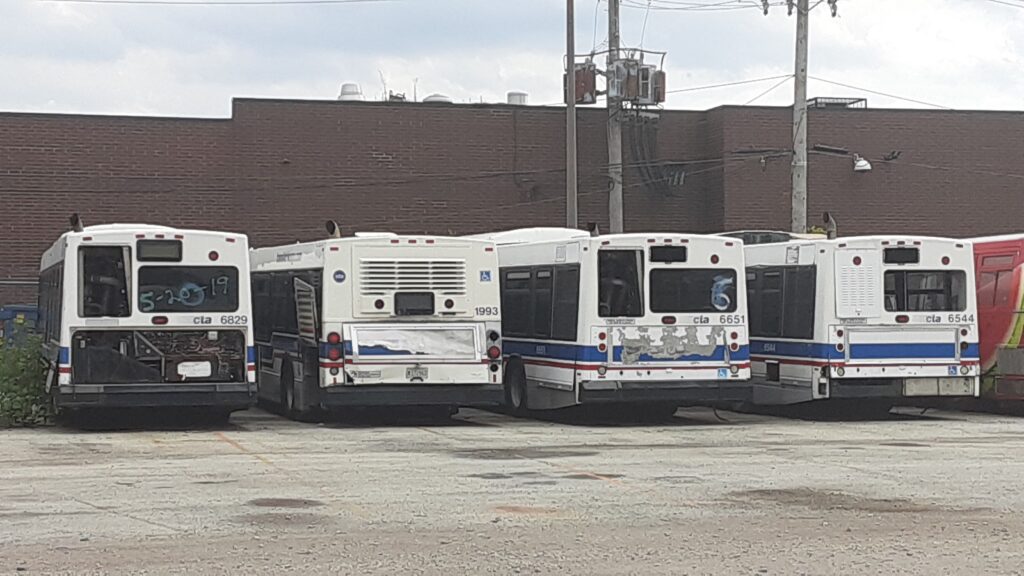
(868, 320)
(136, 315)
(657, 320)
(377, 320)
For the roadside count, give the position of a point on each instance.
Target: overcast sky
(191, 60)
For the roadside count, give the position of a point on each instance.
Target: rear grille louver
(380, 277)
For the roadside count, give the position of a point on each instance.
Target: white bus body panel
(360, 277)
(855, 339)
(197, 245)
(639, 354)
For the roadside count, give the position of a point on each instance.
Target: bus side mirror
(333, 230)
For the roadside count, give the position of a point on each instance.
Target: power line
(213, 2)
(1006, 3)
(880, 93)
(766, 92)
(709, 87)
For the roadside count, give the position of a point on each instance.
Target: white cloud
(191, 60)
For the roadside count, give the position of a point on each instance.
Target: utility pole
(571, 208)
(798, 222)
(614, 122)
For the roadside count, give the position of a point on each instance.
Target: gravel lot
(490, 494)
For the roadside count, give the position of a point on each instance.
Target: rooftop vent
(826, 102)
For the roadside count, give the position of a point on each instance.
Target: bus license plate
(416, 374)
(195, 370)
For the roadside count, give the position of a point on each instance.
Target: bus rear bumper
(964, 387)
(234, 395)
(413, 395)
(682, 391)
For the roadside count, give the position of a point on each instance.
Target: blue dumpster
(16, 322)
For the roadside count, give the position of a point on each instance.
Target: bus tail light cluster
(335, 351)
(494, 351)
(733, 344)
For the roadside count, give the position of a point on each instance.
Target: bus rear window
(693, 290)
(188, 289)
(926, 291)
(619, 283)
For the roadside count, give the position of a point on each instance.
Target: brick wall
(277, 169)
(958, 174)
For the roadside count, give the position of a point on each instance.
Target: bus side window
(516, 318)
(771, 302)
(620, 286)
(566, 302)
(261, 306)
(987, 289)
(104, 282)
(1004, 281)
(542, 303)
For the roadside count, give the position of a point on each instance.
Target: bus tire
(515, 387)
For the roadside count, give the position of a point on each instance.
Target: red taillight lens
(840, 333)
(378, 304)
(963, 346)
(840, 347)
(602, 347)
(668, 319)
(734, 347)
(602, 336)
(159, 320)
(714, 258)
(494, 352)
(449, 303)
(334, 338)
(857, 260)
(902, 319)
(945, 260)
(734, 335)
(334, 353)
(964, 332)
(214, 256)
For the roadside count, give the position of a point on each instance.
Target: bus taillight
(334, 354)
(334, 338)
(159, 320)
(494, 352)
(214, 256)
(668, 320)
(493, 336)
(902, 319)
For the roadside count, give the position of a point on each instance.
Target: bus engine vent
(380, 277)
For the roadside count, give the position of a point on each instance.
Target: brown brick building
(277, 169)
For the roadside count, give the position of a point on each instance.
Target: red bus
(999, 268)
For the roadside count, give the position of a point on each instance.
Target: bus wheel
(515, 387)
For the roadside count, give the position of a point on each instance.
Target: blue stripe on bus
(250, 355)
(64, 355)
(581, 353)
(879, 351)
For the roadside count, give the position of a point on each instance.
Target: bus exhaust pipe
(333, 229)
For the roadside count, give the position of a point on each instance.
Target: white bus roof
(999, 238)
(311, 254)
(122, 232)
(537, 235)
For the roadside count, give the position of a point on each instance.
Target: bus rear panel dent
(157, 357)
